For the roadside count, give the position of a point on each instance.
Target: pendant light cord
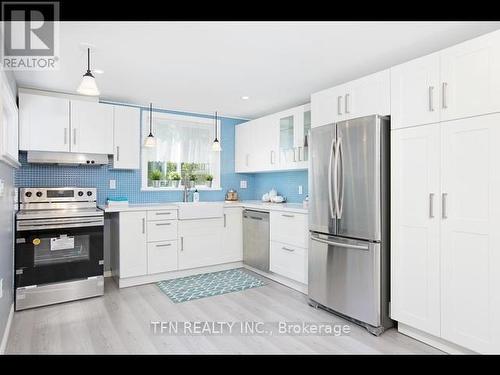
(150, 118)
(215, 124)
(88, 60)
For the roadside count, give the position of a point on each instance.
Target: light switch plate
(112, 184)
(300, 189)
(2, 188)
(243, 184)
(1, 288)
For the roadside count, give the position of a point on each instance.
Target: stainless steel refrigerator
(349, 220)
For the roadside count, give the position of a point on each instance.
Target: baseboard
(436, 342)
(280, 279)
(148, 279)
(3, 344)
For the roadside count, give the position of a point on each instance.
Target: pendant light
(150, 140)
(216, 143)
(88, 85)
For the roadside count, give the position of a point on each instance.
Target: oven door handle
(34, 225)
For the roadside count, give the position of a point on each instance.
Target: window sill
(166, 188)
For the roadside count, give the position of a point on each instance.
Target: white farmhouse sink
(200, 210)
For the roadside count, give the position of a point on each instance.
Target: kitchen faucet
(187, 191)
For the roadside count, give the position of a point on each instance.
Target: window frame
(216, 183)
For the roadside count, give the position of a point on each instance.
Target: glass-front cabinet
(294, 125)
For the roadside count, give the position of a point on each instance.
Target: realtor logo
(30, 35)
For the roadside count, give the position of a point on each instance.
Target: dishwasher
(256, 239)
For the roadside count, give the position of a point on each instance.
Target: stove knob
(89, 193)
(38, 194)
(28, 194)
(80, 193)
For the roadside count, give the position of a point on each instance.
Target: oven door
(53, 253)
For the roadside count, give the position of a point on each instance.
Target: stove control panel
(52, 195)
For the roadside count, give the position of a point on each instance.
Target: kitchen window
(182, 155)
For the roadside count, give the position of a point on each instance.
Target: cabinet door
(415, 221)
(132, 244)
(470, 235)
(415, 92)
(368, 96)
(264, 153)
(91, 127)
(470, 75)
(9, 124)
(327, 106)
(43, 123)
(162, 256)
(289, 261)
(200, 242)
(287, 144)
(232, 235)
(242, 147)
(126, 133)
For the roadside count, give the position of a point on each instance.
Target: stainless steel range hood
(66, 158)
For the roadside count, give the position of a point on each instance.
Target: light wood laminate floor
(120, 323)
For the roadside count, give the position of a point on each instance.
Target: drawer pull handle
(158, 224)
(286, 215)
(163, 213)
(164, 245)
(288, 249)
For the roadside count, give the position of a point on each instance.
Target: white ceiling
(208, 66)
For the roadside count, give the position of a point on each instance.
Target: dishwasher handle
(256, 215)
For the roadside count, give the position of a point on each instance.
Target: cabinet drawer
(290, 228)
(162, 256)
(289, 261)
(162, 215)
(162, 230)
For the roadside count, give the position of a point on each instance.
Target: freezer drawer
(344, 275)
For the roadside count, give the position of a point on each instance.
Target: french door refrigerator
(349, 220)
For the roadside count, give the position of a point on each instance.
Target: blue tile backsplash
(128, 182)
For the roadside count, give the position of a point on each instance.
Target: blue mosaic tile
(208, 284)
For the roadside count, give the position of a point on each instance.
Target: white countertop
(255, 204)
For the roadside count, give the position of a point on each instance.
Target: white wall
(7, 235)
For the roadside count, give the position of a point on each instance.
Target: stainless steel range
(59, 246)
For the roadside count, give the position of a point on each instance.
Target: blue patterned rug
(208, 284)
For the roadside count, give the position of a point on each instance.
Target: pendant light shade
(216, 143)
(88, 86)
(150, 140)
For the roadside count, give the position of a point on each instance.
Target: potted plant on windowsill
(208, 180)
(156, 176)
(175, 178)
(192, 180)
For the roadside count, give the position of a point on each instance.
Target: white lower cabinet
(132, 244)
(288, 249)
(445, 251)
(162, 256)
(232, 236)
(200, 241)
(289, 261)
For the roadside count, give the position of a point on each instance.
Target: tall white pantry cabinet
(445, 196)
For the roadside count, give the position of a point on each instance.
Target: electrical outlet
(2, 188)
(112, 184)
(300, 189)
(243, 184)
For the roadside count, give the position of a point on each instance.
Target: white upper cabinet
(470, 78)
(368, 95)
(415, 223)
(327, 106)
(9, 124)
(456, 82)
(415, 89)
(91, 127)
(362, 97)
(44, 123)
(470, 235)
(243, 139)
(126, 130)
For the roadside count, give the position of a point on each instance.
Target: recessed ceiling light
(244, 97)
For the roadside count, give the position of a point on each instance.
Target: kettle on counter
(231, 195)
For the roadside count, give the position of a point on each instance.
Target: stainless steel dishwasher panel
(256, 239)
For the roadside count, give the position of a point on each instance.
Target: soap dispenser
(196, 196)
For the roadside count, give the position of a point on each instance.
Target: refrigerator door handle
(340, 244)
(341, 195)
(330, 199)
(335, 178)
